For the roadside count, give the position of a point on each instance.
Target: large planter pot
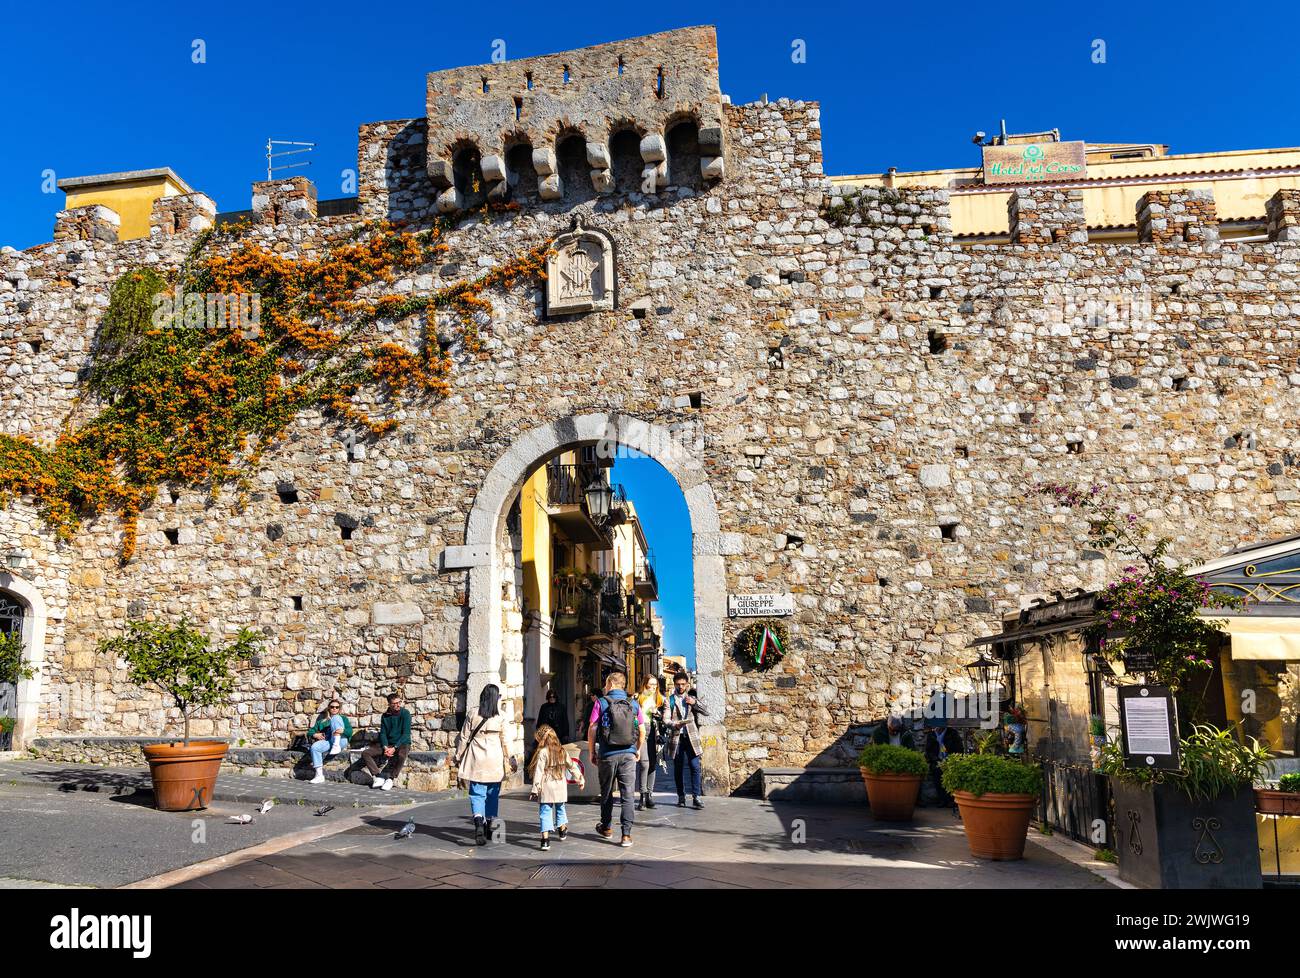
(996, 824)
(892, 796)
(1166, 841)
(184, 776)
(1270, 802)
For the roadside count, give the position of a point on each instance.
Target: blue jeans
(484, 797)
(320, 748)
(552, 816)
(689, 769)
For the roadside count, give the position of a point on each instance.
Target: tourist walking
(553, 715)
(481, 758)
(327, 737)
(687, 745)
(616, 724)
(393, 745)
(550, 785)
(651, 701)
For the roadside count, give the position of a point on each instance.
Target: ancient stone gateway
(480, 552)
(864, 407)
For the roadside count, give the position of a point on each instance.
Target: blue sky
(93, 88)
(662, 508)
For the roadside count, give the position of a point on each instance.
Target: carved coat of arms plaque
(580, 273)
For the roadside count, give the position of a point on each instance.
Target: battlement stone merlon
(646, 84)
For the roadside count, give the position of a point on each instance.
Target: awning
(1259, 637)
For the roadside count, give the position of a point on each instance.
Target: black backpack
(617, 724)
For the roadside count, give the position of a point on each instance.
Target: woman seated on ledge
(328, 735)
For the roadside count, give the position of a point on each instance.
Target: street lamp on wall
(599, 496)
(982, 671)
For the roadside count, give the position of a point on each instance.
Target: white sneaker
(319, 779)
(388, 784)
(377, 782)
(337, 746)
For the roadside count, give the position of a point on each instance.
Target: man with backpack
(615, 732)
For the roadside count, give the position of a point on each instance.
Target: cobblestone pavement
(734, 842)
(235, 788)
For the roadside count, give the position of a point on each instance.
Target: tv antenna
(272, 155)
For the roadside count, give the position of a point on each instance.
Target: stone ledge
(816, 785)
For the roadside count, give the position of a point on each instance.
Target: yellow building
(588, 586)
(1114, 176)
(130, 194)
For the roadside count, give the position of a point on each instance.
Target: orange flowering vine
(199, 405)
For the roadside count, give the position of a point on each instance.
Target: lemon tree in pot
(893, 776)
(182, 663)
(997, 798)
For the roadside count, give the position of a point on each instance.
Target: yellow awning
(1262, 638)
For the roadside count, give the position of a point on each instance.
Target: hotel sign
(759, 605)
(1035, 163)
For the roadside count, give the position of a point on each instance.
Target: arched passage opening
(22, 614)
(499, 635)
(523, 176)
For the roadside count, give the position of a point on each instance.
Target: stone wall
(874, 406)
(1046, 216)
(1168, 216)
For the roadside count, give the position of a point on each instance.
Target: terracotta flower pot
(184, 776)
(1271, 802)
(996, 824)
(892, 796)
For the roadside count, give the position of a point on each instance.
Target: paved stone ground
(735, 842)
(237, 788)
(48, 836)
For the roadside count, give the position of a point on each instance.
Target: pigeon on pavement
(241, 819)
(266, 806)
(324, 809)
(406, 830)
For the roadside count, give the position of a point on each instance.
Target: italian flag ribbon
(769, 636)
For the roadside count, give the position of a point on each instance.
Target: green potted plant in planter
(182, 663)
(1282, 800)
(997, 797)
(893, 776)
(1194, 827)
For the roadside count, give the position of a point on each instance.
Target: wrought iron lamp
(982, 671)
(599, 497)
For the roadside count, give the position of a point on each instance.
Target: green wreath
(763, 644)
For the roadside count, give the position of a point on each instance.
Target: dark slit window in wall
(684, 155)
(625, 161)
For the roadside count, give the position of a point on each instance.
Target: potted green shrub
(1282, 800)
(893, 776)
(997, 797)
(182, 663)
(1194, 827)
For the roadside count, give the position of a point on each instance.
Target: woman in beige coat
(481, 759)
(550, 785)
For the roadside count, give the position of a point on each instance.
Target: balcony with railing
(645, 581)
(591, 606)
(569, 506)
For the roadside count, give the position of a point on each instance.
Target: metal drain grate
(589, 874)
